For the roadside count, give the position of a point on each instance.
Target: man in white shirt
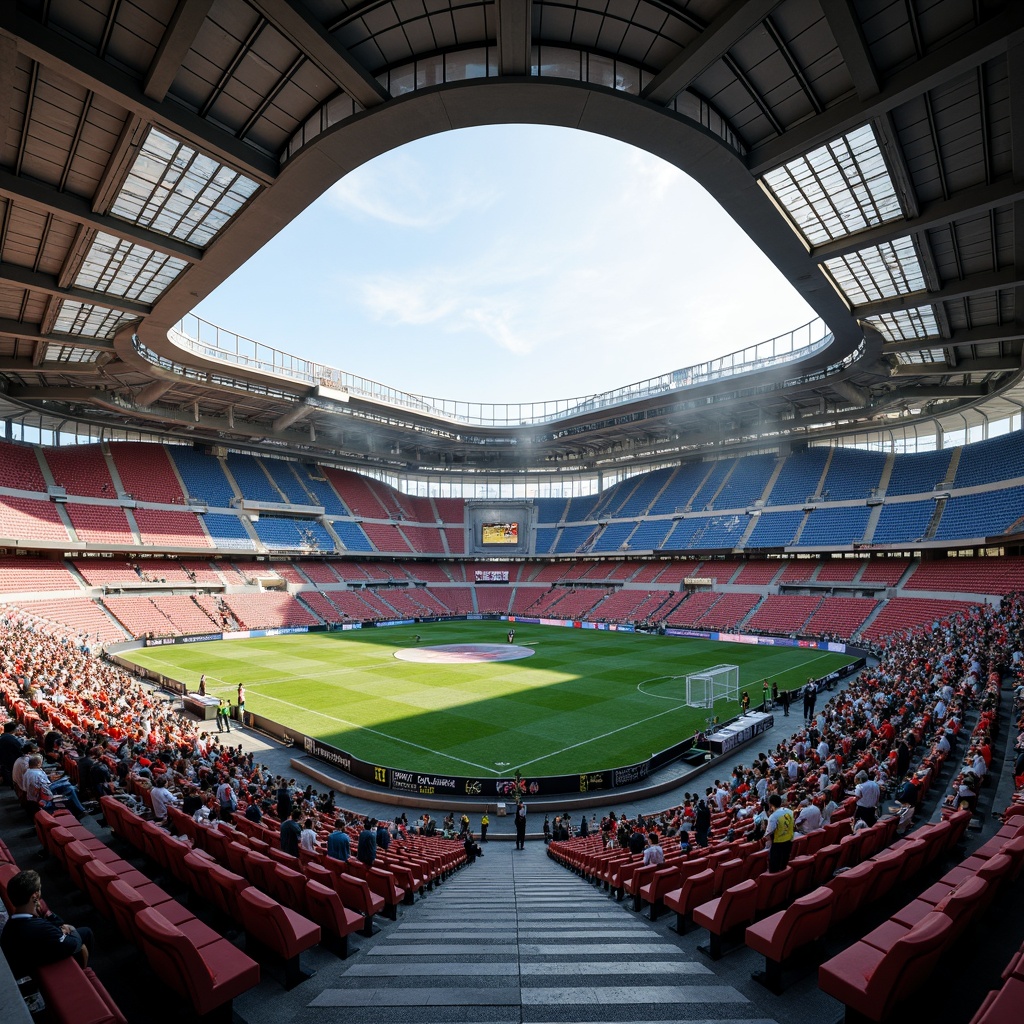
(868, 795)
(654, 854)
(162, 798)
(809, 818)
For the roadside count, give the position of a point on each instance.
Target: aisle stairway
(514, 937)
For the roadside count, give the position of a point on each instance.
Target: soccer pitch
(587, 700)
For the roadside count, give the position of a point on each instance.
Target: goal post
(722, 682)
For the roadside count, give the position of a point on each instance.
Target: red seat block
(871, 982)
(279, 929)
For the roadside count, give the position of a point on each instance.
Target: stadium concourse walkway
(515, 937)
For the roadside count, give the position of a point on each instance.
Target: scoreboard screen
(500, 533)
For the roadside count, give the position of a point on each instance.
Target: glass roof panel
(116, 266)
(878, 272)
(921, 356)
(88, 320)
(838, 189)
(56, 353)
(906, 324)
(177, 191)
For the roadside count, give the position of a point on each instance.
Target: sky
(510, 263)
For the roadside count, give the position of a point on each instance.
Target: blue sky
(510, 264)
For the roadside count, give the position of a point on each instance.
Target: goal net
(719, 683)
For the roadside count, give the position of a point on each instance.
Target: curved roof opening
(510, 263)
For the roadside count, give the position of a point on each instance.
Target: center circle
(464, 654)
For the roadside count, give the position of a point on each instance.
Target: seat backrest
(7, 872)
(849, 887)
(964, 902)
(773, 888)
(908, 962)
(125, 904)
(172, 955)
(324, 906)
(805, 920)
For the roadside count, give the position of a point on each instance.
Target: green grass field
(587, 700)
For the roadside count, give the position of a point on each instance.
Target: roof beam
(52, 366)
(990, 39)
(971, 336)
(296, 23)
(87, 70)
(738, 18)
(990, 364)
(849, 37)
(968, 203)
(153, 392)
(992, 281)
(185, 24)
(36, 281)
(30, 332)
(286, 419)
(515, 36)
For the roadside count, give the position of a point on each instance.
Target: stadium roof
(873, 151)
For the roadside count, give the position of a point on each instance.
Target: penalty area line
(377, 732)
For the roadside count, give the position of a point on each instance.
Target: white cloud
(406, 192)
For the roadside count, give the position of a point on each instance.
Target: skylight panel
(88, 320)
(115, 266)
(878, 272)
(906, 324)
(922, 357)
(56, 353)
(836, 190)
(175, 190)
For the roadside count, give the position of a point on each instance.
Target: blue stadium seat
(799, 477)
(202, 476)
(251, 479)
(351, 535)
(650, 534)
(614, 536)
(722, 531)
(775, 529)
(549, 510)
(643, 492)
(835, 527)
(283, 475)
(710, 486)
(227, 531)
(988, 462)
(746, 482)
(903, 523)
(581, 508)
(281, 533)
(319, 486)
(852, 473)
(988, 513)
(573, 538)
(545, 539)
(680, 488)
(918, 473)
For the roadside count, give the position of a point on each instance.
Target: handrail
(199, 337)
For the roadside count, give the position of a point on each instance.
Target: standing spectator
(779, 833)
(291, 833)
(10, 749)
(307, 837)
(366, 849)
(484, 822)
(520, 825)
(702, 823)
(868, 795)
(339, 846)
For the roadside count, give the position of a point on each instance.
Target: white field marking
(377, 732)
(594, 739)
(643, 682)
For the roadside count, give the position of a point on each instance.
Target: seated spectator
(29, 939)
